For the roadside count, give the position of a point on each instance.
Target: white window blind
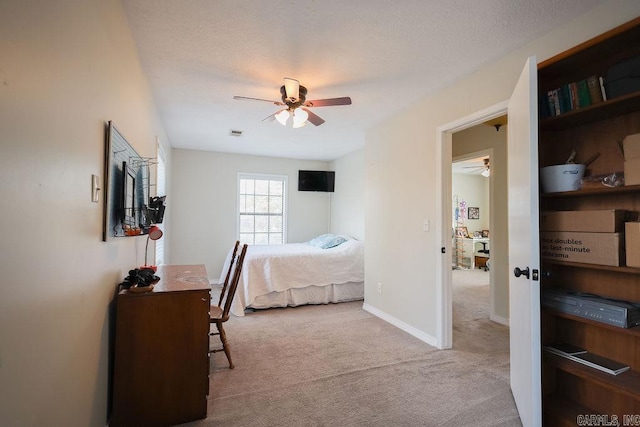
(262, 209)
(161, 190)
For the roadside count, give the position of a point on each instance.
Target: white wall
(347, 203)
(66, 67)
(204, 204)
(401, 180)
(474, 191)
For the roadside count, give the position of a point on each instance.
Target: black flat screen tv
(316, 181)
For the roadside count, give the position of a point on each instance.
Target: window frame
(161, 190)
(285, 201)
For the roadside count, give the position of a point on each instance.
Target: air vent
(235, 132)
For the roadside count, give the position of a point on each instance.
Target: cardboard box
(631, 146)
(600, 221)
(632, 245)
(632, 172)
(588, 248)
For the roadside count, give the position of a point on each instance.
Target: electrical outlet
(379, 287)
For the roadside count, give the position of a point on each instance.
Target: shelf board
(560, 411)
(627, 189)
(628, 270)
(635, 331)
(627, 383)
(600, 111)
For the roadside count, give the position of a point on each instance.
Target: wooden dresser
(161, 361)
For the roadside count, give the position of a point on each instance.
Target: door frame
(444, 294)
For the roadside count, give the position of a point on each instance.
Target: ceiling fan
(485, 168)
(294, 98)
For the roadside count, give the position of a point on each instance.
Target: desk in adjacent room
(471, 247)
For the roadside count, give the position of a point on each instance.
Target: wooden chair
(226, 279)
(219, 314)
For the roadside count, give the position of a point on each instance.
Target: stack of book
(589, 359)
(573, 96)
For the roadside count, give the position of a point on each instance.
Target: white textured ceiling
(198, 54)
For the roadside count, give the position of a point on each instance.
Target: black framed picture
(473, 213)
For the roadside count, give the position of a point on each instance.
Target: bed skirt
(351, 291)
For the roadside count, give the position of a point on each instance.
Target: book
(565, 99)
(584, 99)
(552, 104)
(543, 104)
(601, 363)
(556, 102)
(565, 349)
(595, 93)
(583, 357)
(602, 88)
(575, 101)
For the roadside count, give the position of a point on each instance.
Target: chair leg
(225, 344)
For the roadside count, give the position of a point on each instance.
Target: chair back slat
(233, 284)
(226, 279)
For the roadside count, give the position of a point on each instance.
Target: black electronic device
(612, 312)
(309, 180)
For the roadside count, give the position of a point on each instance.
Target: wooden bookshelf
(570, 388)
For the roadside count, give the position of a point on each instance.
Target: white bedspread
(276, 268)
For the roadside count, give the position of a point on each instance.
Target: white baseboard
(401, 325)
(499, 319)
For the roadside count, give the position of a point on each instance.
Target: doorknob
(517, 272)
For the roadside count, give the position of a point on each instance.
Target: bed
(296, 274)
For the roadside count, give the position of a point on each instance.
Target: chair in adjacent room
(219, 314)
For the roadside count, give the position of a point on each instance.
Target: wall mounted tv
(316, 181)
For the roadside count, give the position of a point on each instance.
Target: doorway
(471, 285)
(497, 230)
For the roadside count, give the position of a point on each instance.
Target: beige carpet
(472, 329)
(338, 365)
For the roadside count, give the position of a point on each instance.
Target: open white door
(524, 255)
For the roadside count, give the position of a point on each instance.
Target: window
(262, 209)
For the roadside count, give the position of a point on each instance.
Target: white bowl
(560, 178)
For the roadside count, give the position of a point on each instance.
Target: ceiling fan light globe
(300, 114)
(282, 117)
(486, 173)
(299, 118)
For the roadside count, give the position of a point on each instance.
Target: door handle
(518, 272)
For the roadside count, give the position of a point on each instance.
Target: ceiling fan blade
(244, 98)
(292, 88)
(270, 118)
(314, 118)
(328, 102)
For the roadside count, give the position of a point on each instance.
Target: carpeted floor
(472, 329)
(338, 365)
